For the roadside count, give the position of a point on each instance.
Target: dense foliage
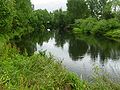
(95, 27)
(15, 15)
(60, 19)
(41, 19)
(103, 18)
(99, 9)
(77, 9)
(23, 14)
(7, 13)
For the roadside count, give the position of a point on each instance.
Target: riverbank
(39, 72)
(32, 73)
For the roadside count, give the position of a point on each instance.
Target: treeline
(82, 9)
(19, 16)
(79, 10)
(99, 9)
(88, 16)
(96, 17)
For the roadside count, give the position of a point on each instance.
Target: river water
(80, 55)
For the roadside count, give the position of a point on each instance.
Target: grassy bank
(42, 73)
(32, 73)
(38, 72)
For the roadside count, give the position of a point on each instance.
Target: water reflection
(78, 54)
(78, 47)
(27, 43)
(103, 49)
(61, 39)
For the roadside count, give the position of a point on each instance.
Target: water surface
(79, 55)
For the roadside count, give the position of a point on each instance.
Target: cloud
(50, 5)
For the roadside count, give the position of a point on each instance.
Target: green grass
(38, 72)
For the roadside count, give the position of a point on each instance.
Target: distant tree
(116, 8)
(60, 19)
(96, 7)
(77, 9)
(100, 9)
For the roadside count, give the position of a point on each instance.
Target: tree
(116, 8)
(100, 9)
(40, 18)
(60, 19)
(77, 9)
(23, 14)
(7, 12)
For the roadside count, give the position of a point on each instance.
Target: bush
(86, 25)
(100, 28)
(104, 26)
(77, 31)
(113, 33)
(92, 26)
(113, 24)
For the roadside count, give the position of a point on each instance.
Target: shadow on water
(78, 53)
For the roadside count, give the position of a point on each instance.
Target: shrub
(86, 25)
(104, 26)
(92, 26)
(113, 23)
(113, 33)
(77, 31)
(100, 28)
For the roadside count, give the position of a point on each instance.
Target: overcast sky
(50, 5)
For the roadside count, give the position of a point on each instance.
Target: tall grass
(18, 72)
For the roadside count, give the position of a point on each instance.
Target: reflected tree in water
(77, 49)
(103, 49)
(28, 42)
(97, 48)
(61, 38)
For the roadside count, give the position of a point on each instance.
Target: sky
(50, 5)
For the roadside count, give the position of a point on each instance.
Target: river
(80, 55)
